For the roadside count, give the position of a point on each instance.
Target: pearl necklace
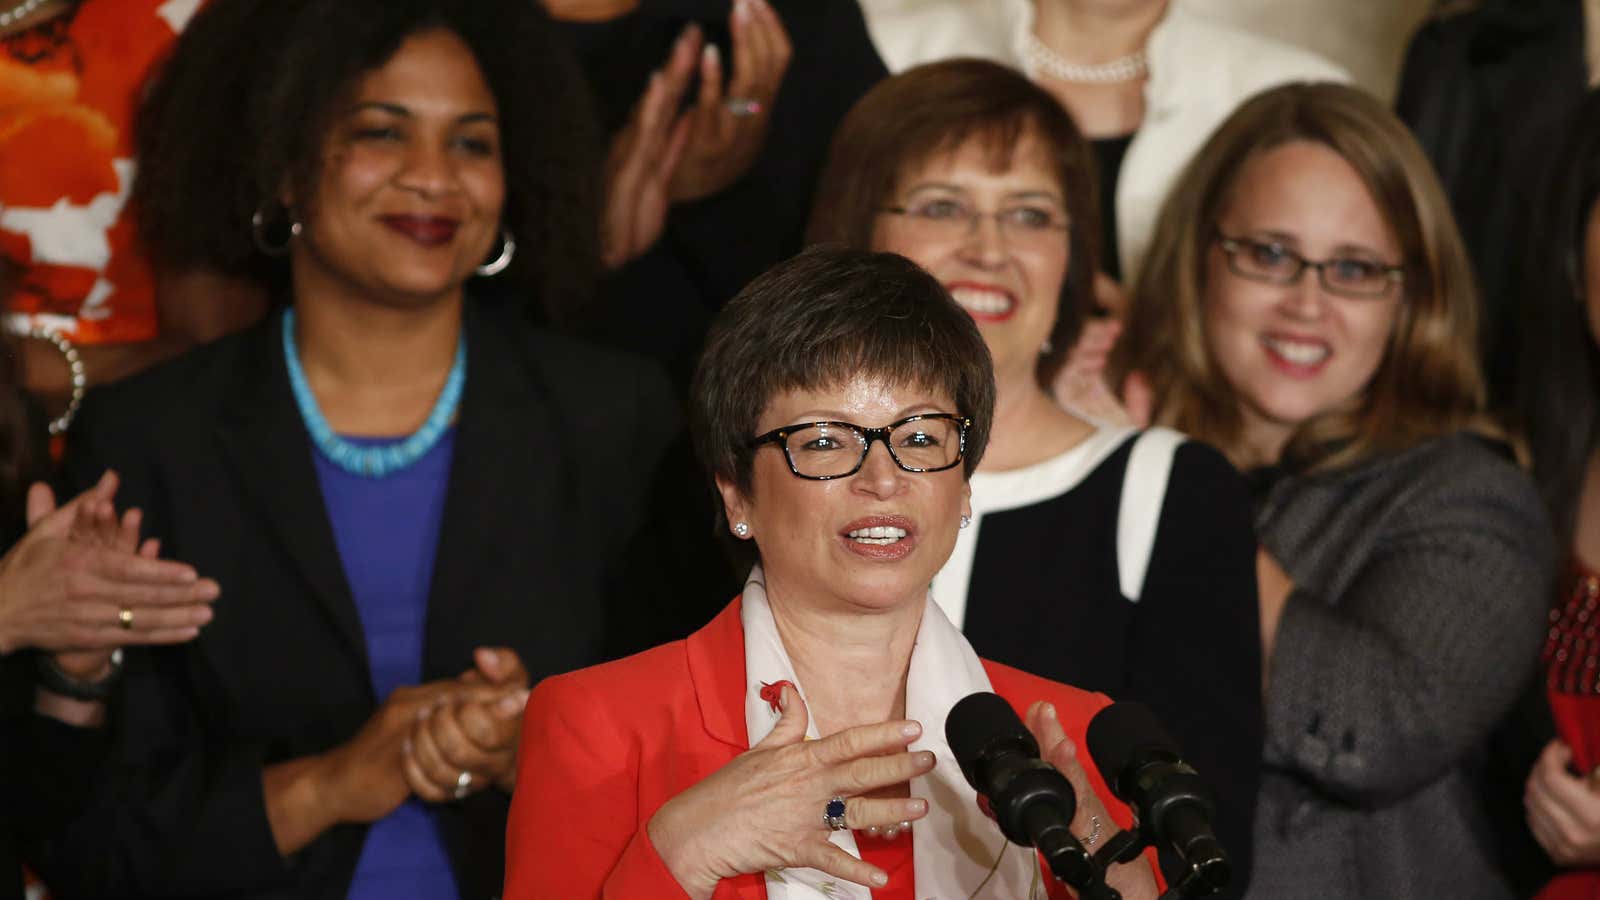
(20, 11)
(1041, 60)
(372, 462)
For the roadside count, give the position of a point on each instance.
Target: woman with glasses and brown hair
(1310, 310)
(1096, 555)
(685, 771)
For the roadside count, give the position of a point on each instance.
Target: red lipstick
(429, 231)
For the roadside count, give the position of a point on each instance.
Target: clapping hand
(663, 157)
(765, 809)
(730, 123)
(80, 584)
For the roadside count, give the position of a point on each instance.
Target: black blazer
(556, 442)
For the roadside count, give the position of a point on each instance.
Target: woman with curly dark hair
(411, 497)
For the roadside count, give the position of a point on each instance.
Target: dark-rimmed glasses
(931, 442)
(1272, 262)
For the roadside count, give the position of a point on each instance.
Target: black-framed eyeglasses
(1274, 263)
(1021, 224)
(931, 442)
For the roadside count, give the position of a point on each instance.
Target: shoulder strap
(1144, 487)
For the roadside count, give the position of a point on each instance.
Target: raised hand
(644, 156)
(78, 583)
(1133, 880)
(765, 809)
(730, 123)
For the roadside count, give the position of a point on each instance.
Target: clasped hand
(423, 738)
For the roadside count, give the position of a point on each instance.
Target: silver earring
(742, 529)
(965, 521)
(508, 249)
(258, 234)
(1046, 348)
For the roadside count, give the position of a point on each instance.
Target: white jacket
(1200, 71)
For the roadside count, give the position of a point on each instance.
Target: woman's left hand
(1134, 880)
(472, 732)
(1563, 809)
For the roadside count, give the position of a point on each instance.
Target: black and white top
(1135, 579)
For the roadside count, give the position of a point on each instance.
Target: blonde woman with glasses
(1309, 309)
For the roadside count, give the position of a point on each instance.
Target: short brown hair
(1428, 384)
(823, 317)
(933, 109)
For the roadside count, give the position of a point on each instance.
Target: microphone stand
(1125, 846)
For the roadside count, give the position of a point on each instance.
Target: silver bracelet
(80, 379)
(1094, 833)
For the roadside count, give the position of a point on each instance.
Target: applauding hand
(79, 584)
(765, 809)
(730, 124)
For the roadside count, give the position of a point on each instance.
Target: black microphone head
(979, 726)
(1126, 734)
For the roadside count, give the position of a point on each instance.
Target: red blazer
(603, 748)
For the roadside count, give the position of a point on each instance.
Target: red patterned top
(68, 92)
(1572, 681)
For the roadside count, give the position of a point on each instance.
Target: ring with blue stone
(834, 815)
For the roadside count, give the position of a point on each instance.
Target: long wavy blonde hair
(1428, 383)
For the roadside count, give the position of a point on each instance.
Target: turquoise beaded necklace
(372, 462)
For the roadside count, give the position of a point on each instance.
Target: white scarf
(959, 853)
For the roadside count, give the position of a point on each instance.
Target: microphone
(1146, 771)
(1028, 797)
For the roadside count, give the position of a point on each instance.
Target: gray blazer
(1421, 582)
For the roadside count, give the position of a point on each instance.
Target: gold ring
(125, 619)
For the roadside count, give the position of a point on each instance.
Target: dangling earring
(965, 521)
(258, 233)
(508, 249)
(742, 529)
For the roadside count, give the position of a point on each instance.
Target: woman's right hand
(765, 809)
(1563, 809)
(363, 779)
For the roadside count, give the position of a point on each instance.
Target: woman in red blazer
(794, 748)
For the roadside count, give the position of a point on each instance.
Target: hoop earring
(258, 234)
(508, 249)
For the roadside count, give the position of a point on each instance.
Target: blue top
(387, 532)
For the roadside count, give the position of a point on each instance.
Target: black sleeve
(176, 811)
(1195, 646)
(46, 766)
(671, 576)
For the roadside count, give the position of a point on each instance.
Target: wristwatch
(52, 679)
